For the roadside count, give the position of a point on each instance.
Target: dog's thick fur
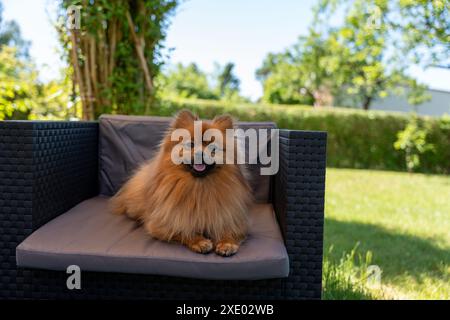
(202, 213)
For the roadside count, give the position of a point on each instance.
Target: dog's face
(202, 147)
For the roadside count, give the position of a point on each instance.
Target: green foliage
(190, 82)
(10, 36)
(56, 100)
(22, 95)
(118, 52)
(348, 278)
(413, 141)
(420, 28)
(227, 82)
(299, 74)
(18, 76)
(186, 82)
(356, 138)
(18, 90)
(424, 24)
(348, 65)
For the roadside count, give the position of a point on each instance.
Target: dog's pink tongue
(199, 167)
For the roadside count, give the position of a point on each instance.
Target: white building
(437, 106)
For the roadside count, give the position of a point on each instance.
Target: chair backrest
(126, 141)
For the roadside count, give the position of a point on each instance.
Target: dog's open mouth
(202, 169)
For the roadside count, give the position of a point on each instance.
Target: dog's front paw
(226, 248)
(201, 246)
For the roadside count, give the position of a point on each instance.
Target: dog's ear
(183, 119)
(224, 122)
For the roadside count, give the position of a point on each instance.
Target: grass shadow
(396, 254)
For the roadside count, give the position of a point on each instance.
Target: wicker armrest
(45, 169)
(298, 198)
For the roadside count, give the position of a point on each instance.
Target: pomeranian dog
(202, 205)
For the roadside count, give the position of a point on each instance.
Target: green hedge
(356, 138)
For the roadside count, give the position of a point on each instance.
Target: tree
(228, 84)
(420, 28)
(56, 99)
(186, 82)
(423, 24)
(18, 90)
(18, 76)
(116, 54)
(413, 142)
(191, 82)
(347, 65)
(300, 74)
(22, 95)
(10, 36)
(372, 72)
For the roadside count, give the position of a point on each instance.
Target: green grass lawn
(402, 219)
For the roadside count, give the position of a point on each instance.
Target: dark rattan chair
(48, 167)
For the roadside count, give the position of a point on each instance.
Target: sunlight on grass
(402, 219)
(349, 278)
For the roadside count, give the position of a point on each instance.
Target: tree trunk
(367, 102)
(113, 54)
(140, 52)
(78, 75)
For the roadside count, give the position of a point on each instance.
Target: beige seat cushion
(91, 237)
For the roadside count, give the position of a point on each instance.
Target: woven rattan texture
(46, 168)
(95, 285)
(299, 190)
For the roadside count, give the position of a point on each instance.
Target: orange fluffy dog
(204, 205)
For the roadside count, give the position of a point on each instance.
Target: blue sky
(205, 32)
